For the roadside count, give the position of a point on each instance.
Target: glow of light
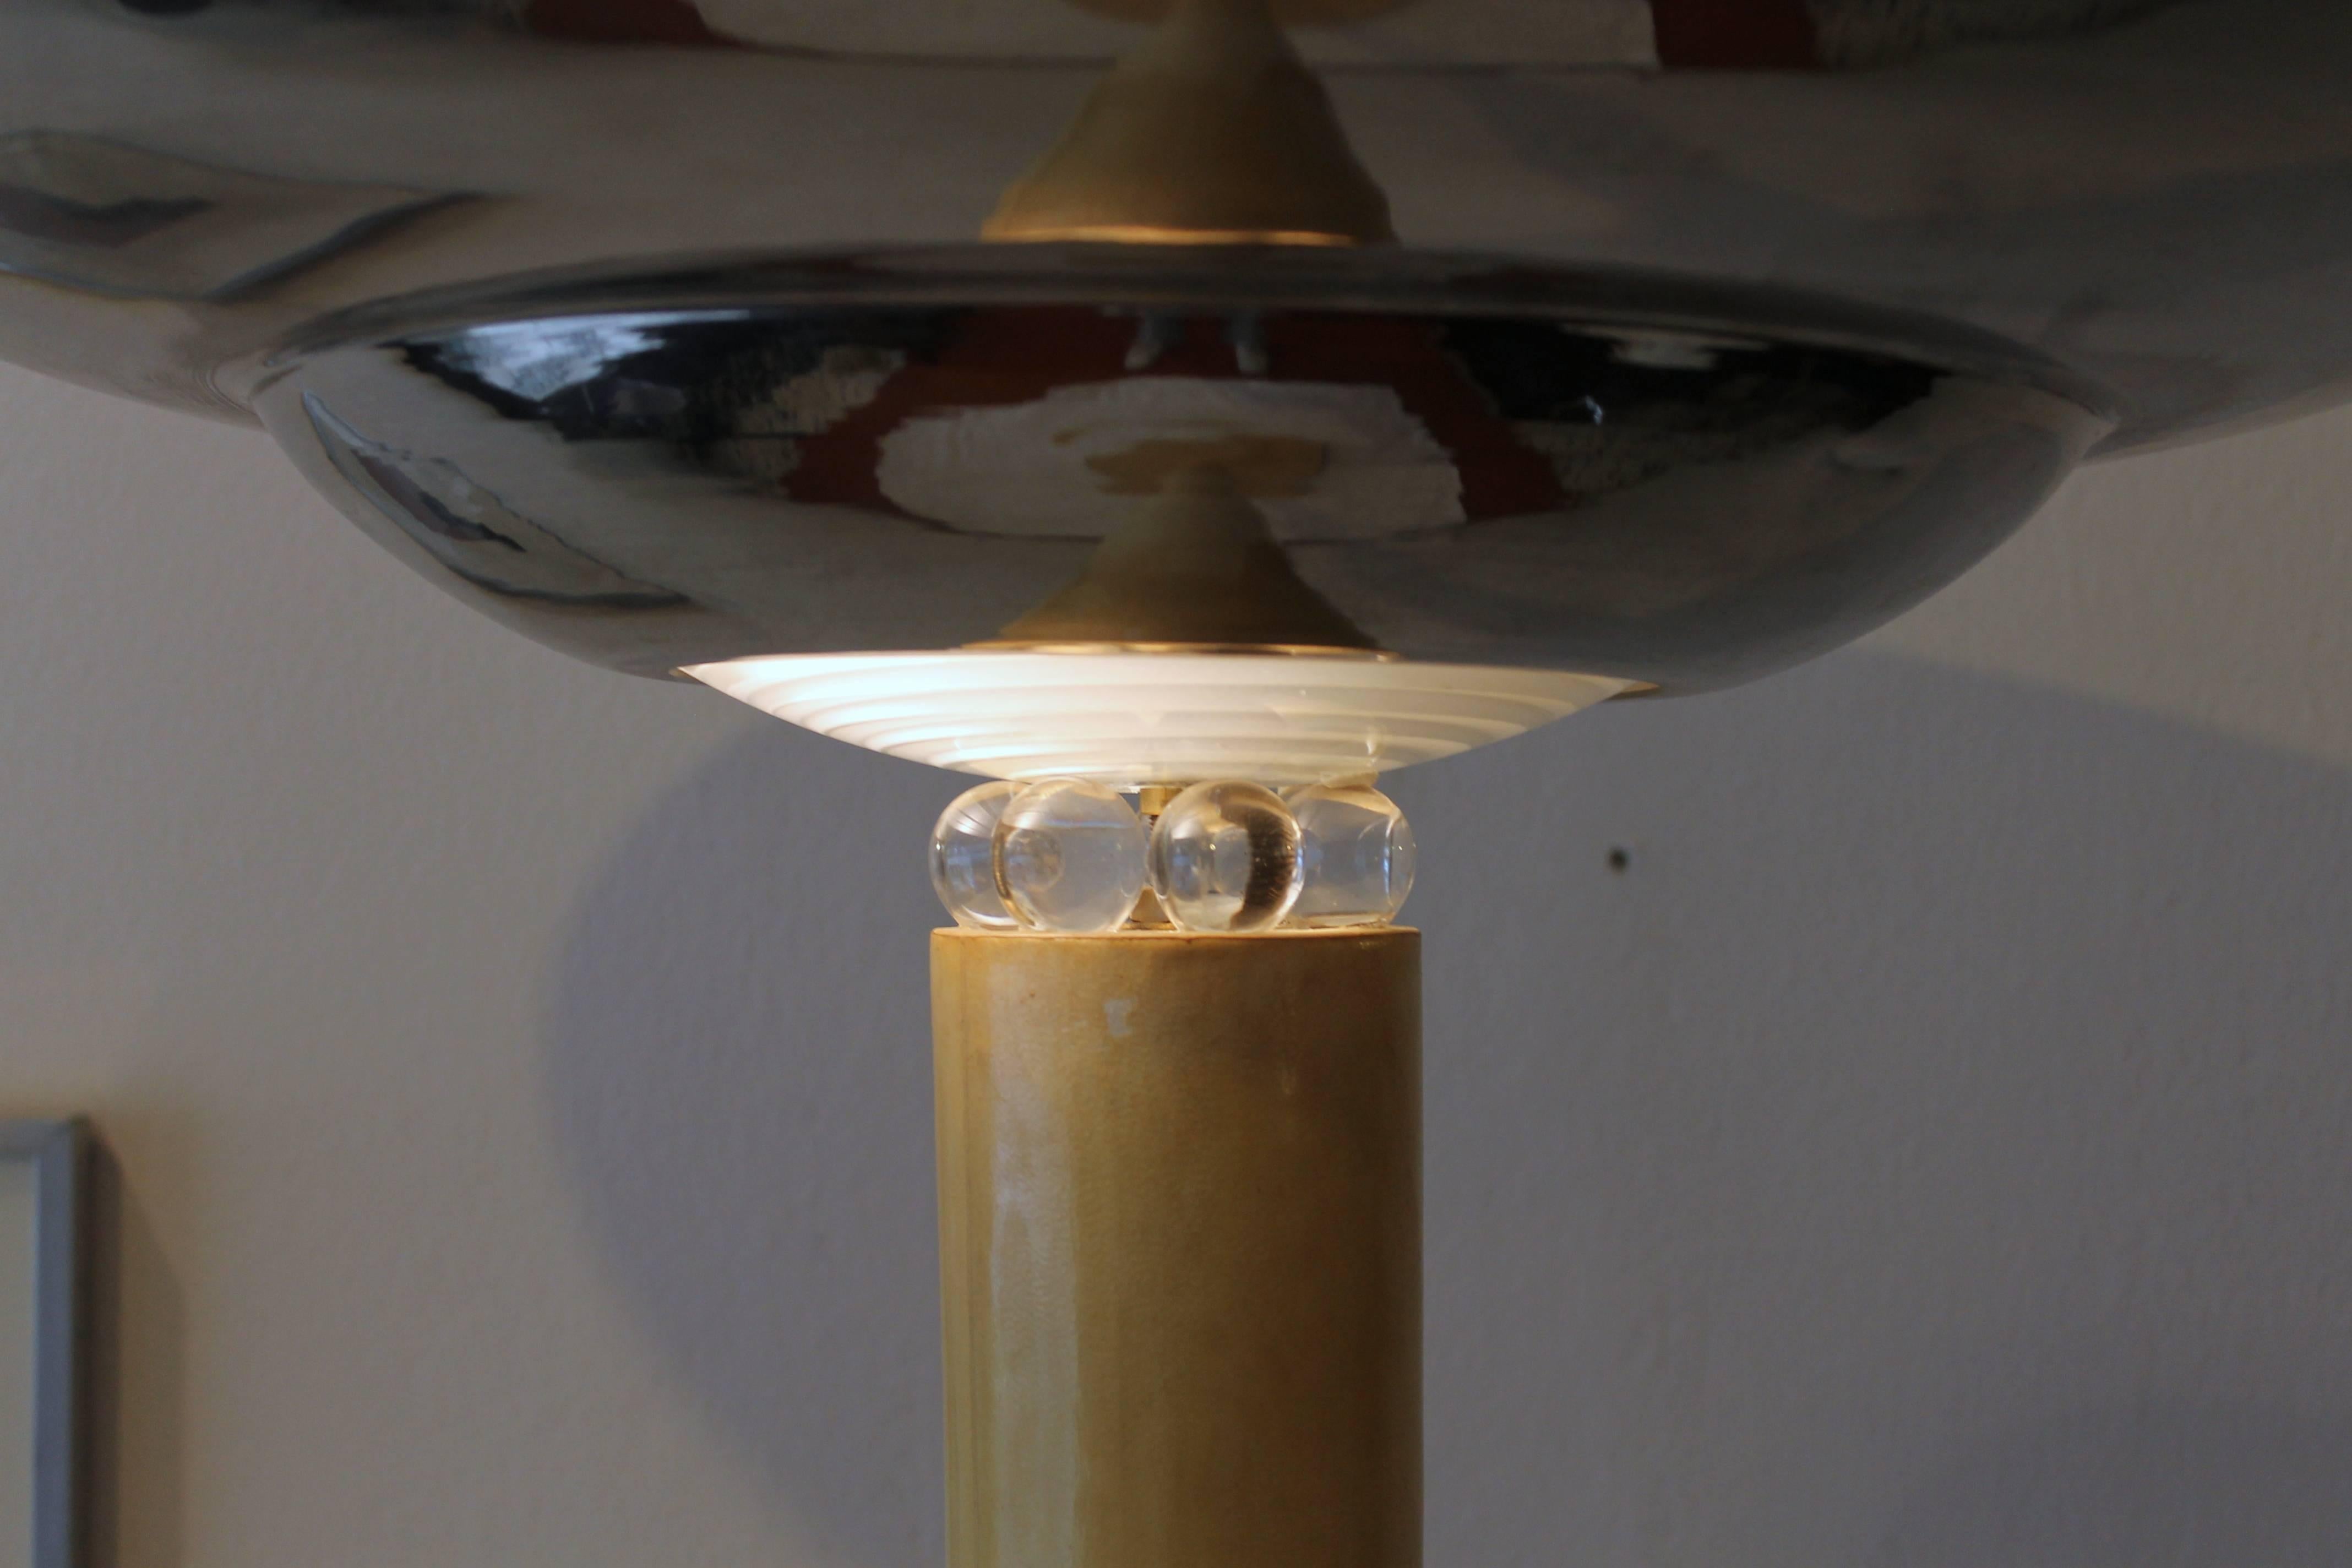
(1127, 719)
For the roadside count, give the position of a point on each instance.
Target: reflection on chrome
(1636, 340)
(1587, 474)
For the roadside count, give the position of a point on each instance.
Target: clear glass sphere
(1225, 858)
(1069, 857)
(963, 858)
(1358, 854)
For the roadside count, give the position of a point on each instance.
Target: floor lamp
(1176, 415)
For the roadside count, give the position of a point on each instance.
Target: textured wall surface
(1929, 1149)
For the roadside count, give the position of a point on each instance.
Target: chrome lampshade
(1651, 344)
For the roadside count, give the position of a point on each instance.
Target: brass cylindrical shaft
(1180, 1186)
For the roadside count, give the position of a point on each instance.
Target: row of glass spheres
(1228, 855)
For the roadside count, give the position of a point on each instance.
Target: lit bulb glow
(1128, 718)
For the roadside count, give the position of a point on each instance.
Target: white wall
(1930, 1151)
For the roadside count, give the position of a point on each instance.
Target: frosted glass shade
(1125, 719)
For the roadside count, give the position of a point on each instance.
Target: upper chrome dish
(2161, 200)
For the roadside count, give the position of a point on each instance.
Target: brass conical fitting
(1211, 132)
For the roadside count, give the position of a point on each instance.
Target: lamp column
(1179, 1216)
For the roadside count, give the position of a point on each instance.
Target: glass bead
(963, 858)
(1360, 856)
(1224, 857)
(1070, 857)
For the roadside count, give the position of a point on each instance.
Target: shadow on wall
(1884, 1116)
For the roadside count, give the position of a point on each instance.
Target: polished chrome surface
(2163, 203)
(368, 224)
(1449, 460)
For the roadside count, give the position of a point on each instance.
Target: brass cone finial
(1196, 565)
(1211, 132)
